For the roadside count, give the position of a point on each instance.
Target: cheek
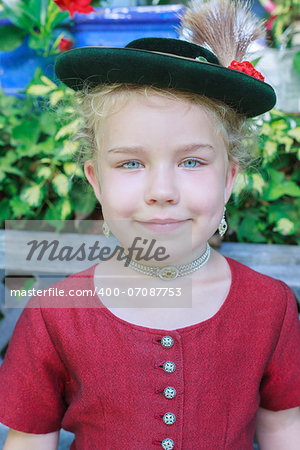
(120, 196)
(205, 192)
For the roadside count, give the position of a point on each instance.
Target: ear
(232, 171)
(91, 175)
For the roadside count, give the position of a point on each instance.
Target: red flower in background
(80, 6)
(269, 6)
(65, 44)
(247, 68)
(269, 22)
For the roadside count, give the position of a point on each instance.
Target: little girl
(209, 353)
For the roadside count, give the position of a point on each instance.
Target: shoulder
(265, 307)
(66, 307)
(260, 291)
(74, 290)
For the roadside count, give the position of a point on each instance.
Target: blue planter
(113, 27)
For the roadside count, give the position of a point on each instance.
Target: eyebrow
(184, 148)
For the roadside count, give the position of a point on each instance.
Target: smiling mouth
(163, 225)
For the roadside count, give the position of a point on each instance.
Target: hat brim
(106, 65)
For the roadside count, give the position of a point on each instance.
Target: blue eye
(128, 165)
(191, 163)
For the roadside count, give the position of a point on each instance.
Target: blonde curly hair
(97, 104)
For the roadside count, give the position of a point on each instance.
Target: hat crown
(174, 47)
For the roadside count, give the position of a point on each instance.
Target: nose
(161, 187)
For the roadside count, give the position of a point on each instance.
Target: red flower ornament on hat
(247, 68)
(208, 21)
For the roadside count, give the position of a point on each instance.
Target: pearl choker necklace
(171, 272)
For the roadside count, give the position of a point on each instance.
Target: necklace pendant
(168, 273)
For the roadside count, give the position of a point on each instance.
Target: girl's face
(162, 160)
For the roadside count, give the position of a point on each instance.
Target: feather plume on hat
(226, 27)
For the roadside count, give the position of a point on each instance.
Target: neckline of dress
(223, 308)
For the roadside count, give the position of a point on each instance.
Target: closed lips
(163, 221)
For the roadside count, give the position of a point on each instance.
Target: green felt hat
(166, 63)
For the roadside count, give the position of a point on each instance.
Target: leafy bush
(265, 206)
(39, 177)
(35, 19)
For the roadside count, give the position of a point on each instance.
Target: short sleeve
(280, 386)
(32, 378)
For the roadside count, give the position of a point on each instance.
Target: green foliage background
(265, 205)
(39, 176)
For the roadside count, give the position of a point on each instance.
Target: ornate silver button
(169, 418)
(169, 367)
(169, 392)
(167, 444)
(167, 342)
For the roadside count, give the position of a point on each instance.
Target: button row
(169, 392)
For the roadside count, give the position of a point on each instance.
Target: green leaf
(43, 172)
(295, 133)
(258, 182)
(83, 198)
(2, 175)
(26, 133)
(5, 211)
(39, 89)
(10, 38)
(48, 124)
(71, 168)
(40, 43)
(296, 62)
(33, 195)
(6, 164)
(255, 61)
(61, 210)
(55, 97)
(68, 129)
(67, 152)
(61, 185)
(241, 182)
(276, 191)
(48, 82)
(276, 176)
(279, 125)
(280, 211)
(266, 129)
(249, 229)
(291, 188)
(18, 207)
(35, 6)
(270, 150)
(286, 141)
(285, 227)
(11, 189)
(47, 147)
(17, 12)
